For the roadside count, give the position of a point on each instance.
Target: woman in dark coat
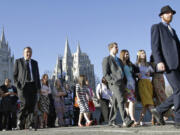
(9, 105)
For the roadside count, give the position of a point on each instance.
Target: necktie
(170, 29)
(28, 71)
(119, 64)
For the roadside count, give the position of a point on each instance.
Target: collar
(29, 60)
(113, 55)
(164, 23)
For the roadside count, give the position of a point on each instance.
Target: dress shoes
(158, 116)
(128, 123)
(19, 127)
(32, 129)
(162, 122)
(113, 124)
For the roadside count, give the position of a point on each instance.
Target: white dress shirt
(30, 67)
(103, 91)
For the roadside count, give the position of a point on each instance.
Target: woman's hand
(139, 75)
(148, 74)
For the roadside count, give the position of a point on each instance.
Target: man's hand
(161, 66)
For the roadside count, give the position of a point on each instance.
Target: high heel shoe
(89, 123)
(140, 122)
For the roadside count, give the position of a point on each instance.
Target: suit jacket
(20, 73)
(111, 71)
(165, 46)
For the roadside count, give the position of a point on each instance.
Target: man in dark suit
(26, 78)
(166, 51)
(113, 73)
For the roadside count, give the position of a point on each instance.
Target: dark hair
(104, 81)
(122, 53)
(44, 75)
(28, 47)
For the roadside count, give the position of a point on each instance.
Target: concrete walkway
(168, 129)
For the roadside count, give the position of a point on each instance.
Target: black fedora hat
(167, 9)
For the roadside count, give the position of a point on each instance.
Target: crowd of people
(55, 107)
(140, 83)
(34, 103)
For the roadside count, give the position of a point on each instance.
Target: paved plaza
(168, 129)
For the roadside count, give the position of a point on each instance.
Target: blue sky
(45, 24)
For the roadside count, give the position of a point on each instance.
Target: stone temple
(70, 66)
(6, 60)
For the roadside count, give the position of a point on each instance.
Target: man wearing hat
(165, 47)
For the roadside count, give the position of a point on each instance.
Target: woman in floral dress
(130, 86)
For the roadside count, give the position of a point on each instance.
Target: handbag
(76, 102)
(91, 106)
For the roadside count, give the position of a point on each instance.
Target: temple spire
(3, 40)
(67, 51)
(78, 48)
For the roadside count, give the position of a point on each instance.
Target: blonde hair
(111, 45)
(138, 60)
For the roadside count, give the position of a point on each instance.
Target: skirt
(44, 103)
(130, 91)
(146, 92)
(83, 106)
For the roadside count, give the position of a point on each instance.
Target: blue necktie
(119, 64)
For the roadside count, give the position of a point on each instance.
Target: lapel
(23, 63)
(168, 31)
(113, 60)
(23, 68)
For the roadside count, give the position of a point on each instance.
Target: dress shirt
(169, 27)
(30, 67)
(103, 91)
